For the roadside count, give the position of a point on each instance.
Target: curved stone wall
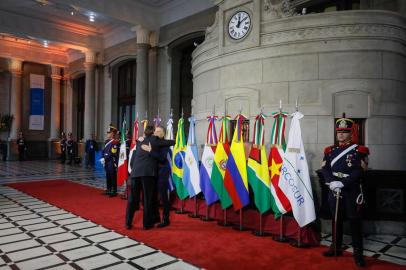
(352, 61)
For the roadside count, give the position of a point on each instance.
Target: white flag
(295, 179)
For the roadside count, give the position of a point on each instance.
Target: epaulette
(363, 149)
(328, 149)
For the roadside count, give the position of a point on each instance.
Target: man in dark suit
(144, 172)
(164, 172)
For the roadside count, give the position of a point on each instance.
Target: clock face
(239, 25)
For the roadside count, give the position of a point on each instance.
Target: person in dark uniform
(342, 168)
(63, 147)
(90, 149)
(164, 171)
(144, 172)
(70, 147)
(110, 161)
(21, 146)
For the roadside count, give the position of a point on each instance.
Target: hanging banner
(36, 102)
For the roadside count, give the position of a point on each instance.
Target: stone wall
(348, 61)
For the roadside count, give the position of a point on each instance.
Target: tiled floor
(34, 232)
(37, 235)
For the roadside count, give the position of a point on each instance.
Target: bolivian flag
(219, 166)
(178, 161)
(258, 174)
(235, 179)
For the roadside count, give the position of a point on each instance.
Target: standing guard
(63, 147)
(110, 161)
(22, 148)
(70, 147)
(343, 167)
(90, 149)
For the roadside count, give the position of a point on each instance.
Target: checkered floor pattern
(56, 224)
(37, 235)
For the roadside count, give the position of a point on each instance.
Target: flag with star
(257, 167)
(279, 202)
(295, 178)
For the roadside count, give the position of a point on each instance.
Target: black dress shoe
(128, 227)
(330, 252)
(112, 195)
(106, 192)
(163, 224)
(149, 227)
(359, 258)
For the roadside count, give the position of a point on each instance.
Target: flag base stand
(260, 232)
(206, 217)
(240, 227)
(280, 238)
(224, 223)
(181, 211)
(195, 214)
(298, 243)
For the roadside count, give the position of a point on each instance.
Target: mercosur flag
(295, 179)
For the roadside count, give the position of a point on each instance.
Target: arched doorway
(182, 79)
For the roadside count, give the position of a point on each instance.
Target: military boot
(358, 257)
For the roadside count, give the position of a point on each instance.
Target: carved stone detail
(279, 8)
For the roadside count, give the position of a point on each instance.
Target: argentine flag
(191, 175)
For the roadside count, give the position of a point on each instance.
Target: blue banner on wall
(37, 102)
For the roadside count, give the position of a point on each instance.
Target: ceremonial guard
(342, 168)
(90, 149)
(110, 161)
(63, 147)
(21, 146)
(70, 147)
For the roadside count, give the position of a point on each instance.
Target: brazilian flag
(178, 160)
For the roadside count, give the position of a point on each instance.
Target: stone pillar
(55, 126)
(89, 120)
(107, 101)
(141, 92)
(153, 104)
(15, 67)
(68, 105)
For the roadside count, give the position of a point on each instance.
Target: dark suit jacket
(144, 164)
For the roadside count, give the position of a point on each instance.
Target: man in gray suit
(144, 176)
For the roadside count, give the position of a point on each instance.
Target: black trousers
(347, 209)
(133, 202)
(63, 156)
(90, 159)
(70, 156)
(111, 182)
(21, 150)
(150, 200)
(164, 196)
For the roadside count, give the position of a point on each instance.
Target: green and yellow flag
(258, 173)
(178, 161)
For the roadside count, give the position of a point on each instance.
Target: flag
(122, 170)
(178, 161)
(279, 202)
(219, 167)
(206, 167)
(133, 143)
(235, 178)
(295, 178)
(169, 136)
(257, 168)
(191, 176)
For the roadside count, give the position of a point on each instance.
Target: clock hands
(240, 21)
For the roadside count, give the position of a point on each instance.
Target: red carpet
(204, 244)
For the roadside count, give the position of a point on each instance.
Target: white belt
(340, 174)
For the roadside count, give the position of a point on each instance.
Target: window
(126, 93)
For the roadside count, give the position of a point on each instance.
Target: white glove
(102, 161)
(336, 185)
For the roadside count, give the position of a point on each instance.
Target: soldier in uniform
(70, 145)
(110, 161)
(21, 146)
(90, 149)
(63, 147)
(343, 166)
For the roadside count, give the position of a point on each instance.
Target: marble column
(15, 67)
(55, 126)
(68, 105)
(141, 92)
(152, 75)
(89, 119)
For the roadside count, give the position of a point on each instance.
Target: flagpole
(207, 217)
(240, 226)
(224, 223)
